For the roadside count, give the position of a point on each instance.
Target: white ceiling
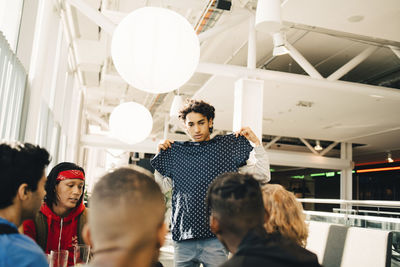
(324, 32)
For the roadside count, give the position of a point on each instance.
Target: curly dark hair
(51, 194)
(20, 163)
(197, 106)
(236, 200)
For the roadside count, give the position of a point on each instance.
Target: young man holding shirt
(190, 167)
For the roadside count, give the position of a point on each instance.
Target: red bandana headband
(70, 174)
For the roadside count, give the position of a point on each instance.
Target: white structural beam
(307, 160)
(273, 141)
(92, 116)
(114, 16)
(252, 45)
(97, 17)
(372, 134)
(309, 146)
(100, 108)
(222, 27)
(270, 75)
(307, 67)
(106, 142)
(282, 158)
(100, 141)
(395, 50)
(328, 148)
(352, 63)
(346, 174)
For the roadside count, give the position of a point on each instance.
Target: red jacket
(66, 237)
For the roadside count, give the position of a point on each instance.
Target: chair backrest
(367, 247)
(327, 240)
(338, 245)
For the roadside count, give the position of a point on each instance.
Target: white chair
(338, 245)
(367, 247)
(326, 240)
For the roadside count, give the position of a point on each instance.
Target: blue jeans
(190, 253)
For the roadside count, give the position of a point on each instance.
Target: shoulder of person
(235, 261)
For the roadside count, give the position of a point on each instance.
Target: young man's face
(69, 192)
(198, 126)
(35, 199)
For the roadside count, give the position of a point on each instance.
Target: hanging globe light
(130, 122)
(155, 49)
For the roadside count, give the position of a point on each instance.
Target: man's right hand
(164, 144)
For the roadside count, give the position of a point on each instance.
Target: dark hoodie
(270, 250)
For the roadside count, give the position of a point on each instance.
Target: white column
(346, 174)
(252, 45)
(248, 105)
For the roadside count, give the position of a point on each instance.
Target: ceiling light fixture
(176, 106)
(155, 50)
(279, 39)
(318, 146)
(389, 158)
(130, 123)
(268, 16)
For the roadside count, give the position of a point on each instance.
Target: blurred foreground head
(127, 216)
(284, 214)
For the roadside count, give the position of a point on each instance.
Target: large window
(10, 18)
(12, 91)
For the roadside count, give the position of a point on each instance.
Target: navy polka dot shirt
(192, 166)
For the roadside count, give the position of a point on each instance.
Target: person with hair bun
(284, 214)
(58, 225)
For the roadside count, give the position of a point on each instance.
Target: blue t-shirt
(192, 166)
(20, 250)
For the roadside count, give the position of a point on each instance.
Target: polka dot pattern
(192, 166)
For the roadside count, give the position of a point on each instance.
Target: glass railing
(383, 215)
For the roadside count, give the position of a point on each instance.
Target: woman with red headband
(58, 225)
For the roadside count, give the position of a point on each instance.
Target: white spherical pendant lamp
(155, 49)
(130, 122)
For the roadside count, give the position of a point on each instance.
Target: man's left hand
(249, 134)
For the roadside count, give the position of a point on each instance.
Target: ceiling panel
(335, 114)
(379, 19)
